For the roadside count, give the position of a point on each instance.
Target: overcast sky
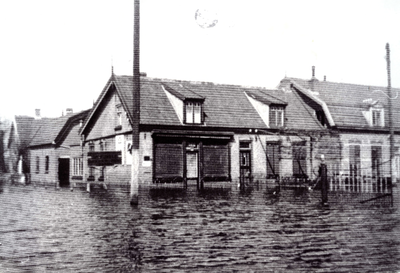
(57, 54)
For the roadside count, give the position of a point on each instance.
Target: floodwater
(218, 230)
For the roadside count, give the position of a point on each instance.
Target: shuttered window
(168, 161)
(216, 162)
(272, 159)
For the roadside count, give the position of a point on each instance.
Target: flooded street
(219, 230)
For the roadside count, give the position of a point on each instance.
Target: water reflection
(186, 230)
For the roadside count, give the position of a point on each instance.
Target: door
(63, 171)
(192, 162)
(245, 166)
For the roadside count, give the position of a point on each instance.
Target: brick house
(359, 117)
(55, 154)
(196, 131)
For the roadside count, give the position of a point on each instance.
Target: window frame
(77, 166)
(37, 164)
(47, 164)
(379, 120)
(276, 109)
(195, 115)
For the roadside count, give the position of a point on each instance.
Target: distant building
(51, 148)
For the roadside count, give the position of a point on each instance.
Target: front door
(245, 166)
(192, 162)
(63, 171)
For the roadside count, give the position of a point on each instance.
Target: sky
(58, 54)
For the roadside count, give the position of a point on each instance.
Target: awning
(193, 134)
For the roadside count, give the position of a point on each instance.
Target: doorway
(192, 163)
(63, 171)
(245, 166)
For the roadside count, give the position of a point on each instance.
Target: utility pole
(391, 130)
(136, 105)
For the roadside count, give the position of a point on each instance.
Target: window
(37, 164)
(321, 117)
(276, 114)
(273, 155)
(376, 161)
(118, 123)
(299, 154)
(47, 164)
(77, 166)
(119, 115)
(355, 160)
(102, 145)
(91, 147)
(377, 117)
(193, 112)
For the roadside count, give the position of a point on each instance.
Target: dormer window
(377, 117)
(193, 110)
(276, 116)
(321, 117)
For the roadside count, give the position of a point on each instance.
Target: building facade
(195, 132)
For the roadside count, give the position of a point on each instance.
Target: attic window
(377, 117)
(193, 110)
(276, 115)
(321, 117)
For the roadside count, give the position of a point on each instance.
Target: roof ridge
(198, 82)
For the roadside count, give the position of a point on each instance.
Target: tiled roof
(46, 131)
(264, 96)
(347, 101)
(225, 106)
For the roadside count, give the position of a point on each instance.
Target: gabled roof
(47, 131)
(225, 106)
(345, 102)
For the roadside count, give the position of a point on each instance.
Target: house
(52, 148)
(359, 117)
(195, 132)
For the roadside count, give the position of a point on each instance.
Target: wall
(107, 119)
(42, 177)
(366, 141)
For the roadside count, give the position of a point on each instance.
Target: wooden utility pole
(391, 130)
(136, 105)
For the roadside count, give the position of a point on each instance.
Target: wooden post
(324, 183)
(136, 106)
(390, 98)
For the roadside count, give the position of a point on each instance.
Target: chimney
(37, 114)
(68, 111)
(325, 78)
(313, 79)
